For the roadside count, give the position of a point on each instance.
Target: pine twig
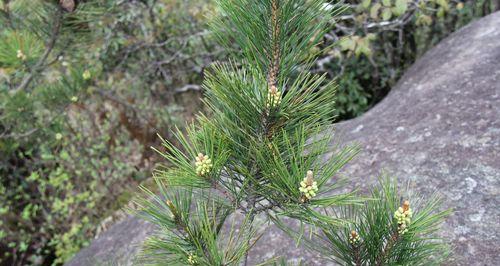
(274, 62)
(385, 251)
(48, 49)
(275, 45)
(188, 87)
(357, 257)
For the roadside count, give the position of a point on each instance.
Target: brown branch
(385, 251)
(188, 87)
(5, 135)
(357, 257)
(275, 45)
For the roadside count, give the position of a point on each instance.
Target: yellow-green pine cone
(203, 164)
(21, 55)
(273, 97)
(308, 186)
(191, 259)
(354, 238)
(86, 75)
(403, 216)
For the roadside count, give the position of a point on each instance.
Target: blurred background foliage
(85, 86)
(377, 40)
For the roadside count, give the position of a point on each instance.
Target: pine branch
(57, 22)
(381, 259)
(272, 80)
(263, 146)
(14, 135)
(5, 12)
(357, 256)
(275, 45)
(188, 87)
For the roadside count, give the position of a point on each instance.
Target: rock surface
(439, 129)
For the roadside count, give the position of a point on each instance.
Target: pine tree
(260, 148)
(42, 68)
(43, 72)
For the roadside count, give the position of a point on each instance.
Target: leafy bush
(84, 88)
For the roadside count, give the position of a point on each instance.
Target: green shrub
(84, 90)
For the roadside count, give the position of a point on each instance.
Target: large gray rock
(439, 129)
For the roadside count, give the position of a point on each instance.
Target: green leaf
(371, 36)
(374, 10)
(363, 48)
(424, 20)
(366, 4)
(400, 7)
(444, 4)
(386, 3)
(347, 44)
(386, 14)
(441, 12)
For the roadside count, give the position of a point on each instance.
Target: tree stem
(392, 240)
(357, 258)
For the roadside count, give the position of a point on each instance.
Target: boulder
(438, 130)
